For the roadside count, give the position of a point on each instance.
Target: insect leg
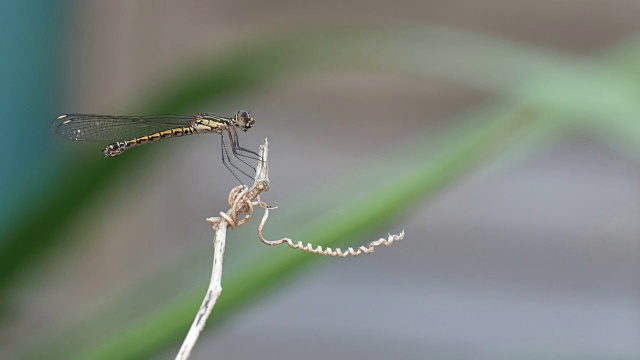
(226, 158)
(223, 153)
(237, 147)
(233, 136)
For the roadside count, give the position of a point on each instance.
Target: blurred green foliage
(543, 94)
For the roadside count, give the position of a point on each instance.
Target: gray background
(533, 258)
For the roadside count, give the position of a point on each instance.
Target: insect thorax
(210, 123)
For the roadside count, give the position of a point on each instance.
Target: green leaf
(536, 82)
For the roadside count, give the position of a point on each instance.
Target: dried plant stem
(241, 202)
(214, 291)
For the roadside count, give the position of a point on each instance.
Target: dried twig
(241, 202)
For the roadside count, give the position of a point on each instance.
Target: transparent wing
(114, 128)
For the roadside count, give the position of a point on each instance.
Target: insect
(132, 131)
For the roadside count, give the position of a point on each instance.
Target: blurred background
(502, 136)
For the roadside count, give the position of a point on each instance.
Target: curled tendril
(326, 251)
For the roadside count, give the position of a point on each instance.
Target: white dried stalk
(327, 251)
(241, 202)
(214, 291)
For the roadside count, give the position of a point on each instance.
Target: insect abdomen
(119, 147)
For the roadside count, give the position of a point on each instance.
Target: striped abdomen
(118, 147)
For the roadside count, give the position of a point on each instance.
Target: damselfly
(132, 131)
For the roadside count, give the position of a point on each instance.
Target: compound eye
(242, 117)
